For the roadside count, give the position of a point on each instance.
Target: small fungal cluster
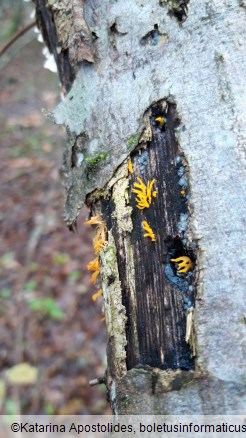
(98, 243)
(144, 196)
(160, 120)
(184, 264)
(144, 193)
(129, 166)
(149, 231)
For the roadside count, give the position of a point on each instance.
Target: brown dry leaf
(49, 97)
(35, 119)
(94, 220)
(23, 162)
(72, 407)
(17, 163)
(47, 147)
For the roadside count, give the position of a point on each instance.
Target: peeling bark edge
(66, 35)
(45, 23)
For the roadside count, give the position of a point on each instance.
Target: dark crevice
(94, 36)
(113, 29)
(177, 8)
(152, 37)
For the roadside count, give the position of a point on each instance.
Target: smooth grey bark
(145, 52)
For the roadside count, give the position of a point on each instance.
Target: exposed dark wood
(161, 306)
(46, 24)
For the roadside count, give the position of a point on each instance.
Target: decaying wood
(156, 309)
(147, 302)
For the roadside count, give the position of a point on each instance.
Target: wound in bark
(153, 37)
(157, 308)
(177, 8)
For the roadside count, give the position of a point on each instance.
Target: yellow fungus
(98, 243)
(149, 230)
(94, 266)
(129, 166)
(144, 193)
(97, 295)
(184, 264)
(100, 237)
(161, 120)
(94, 220)
(94, 276)
(149, 191)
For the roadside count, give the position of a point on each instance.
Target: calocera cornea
(184, 264)
(98, 243)
(97, 294)
(149, 232)
(160, 120)
(95, 267)
(144, 193)
(129, 166)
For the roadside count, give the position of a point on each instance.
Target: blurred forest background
(47, 317)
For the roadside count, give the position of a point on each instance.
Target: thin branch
(16, 36)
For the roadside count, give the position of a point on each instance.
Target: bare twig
(97, 381)
(16, 36)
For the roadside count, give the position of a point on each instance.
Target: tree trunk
(155, 116)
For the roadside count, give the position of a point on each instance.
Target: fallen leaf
(72, 407)
(22, 374)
